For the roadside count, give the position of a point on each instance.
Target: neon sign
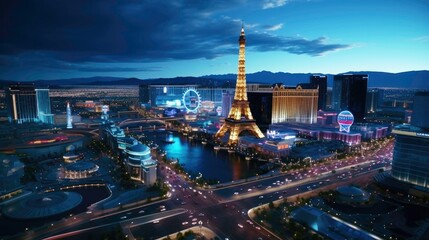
(345, 120)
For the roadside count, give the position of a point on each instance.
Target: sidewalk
(207, 233)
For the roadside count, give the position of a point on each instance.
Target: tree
(180, 236)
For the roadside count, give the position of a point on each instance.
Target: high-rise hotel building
(298, 104)
(349, 93)
(27, 104)
(320, 82)
(21, 103)
(411, 153)
(44, 106)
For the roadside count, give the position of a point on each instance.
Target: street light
(200, 223)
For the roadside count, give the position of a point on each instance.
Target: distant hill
(412, 79)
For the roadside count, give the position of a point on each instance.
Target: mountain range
(411, 79)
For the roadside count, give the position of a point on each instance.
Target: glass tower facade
(411, 155)
(44, 106)
(349, 93)
(21, 103)
(320, 82)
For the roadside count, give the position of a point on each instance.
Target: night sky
(150, 39)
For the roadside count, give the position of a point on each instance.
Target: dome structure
(352, 194)
(43, 205)
(70, 157)
(80, 170)
(140, 164)
(137, 154)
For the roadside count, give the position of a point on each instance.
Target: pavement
(204, 231)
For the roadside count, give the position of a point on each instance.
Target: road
(223, 210)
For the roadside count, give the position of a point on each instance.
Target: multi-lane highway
(223, 210)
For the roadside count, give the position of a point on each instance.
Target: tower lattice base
(236, 127)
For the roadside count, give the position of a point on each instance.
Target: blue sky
(151, 39)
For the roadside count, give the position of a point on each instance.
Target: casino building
(140, 164)
(80, 170)
(411, 153)
(298, 105)
(136, 156)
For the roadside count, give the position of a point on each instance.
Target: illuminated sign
(105, 109)
(219, 110)
(422, 134)
(171, 112)
(345, 120)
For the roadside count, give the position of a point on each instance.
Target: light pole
(200, 223)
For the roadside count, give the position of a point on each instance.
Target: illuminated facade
(319, 132)
(240, 117)
(172, 95)
(80, 170)
(140, 164)
(44, 106)
(227, 99)
(297, 105)
(21, 103)
(411, 155)
(69, 117)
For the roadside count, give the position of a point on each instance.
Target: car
(156, 221)
(236, 193)
(258, 228)
(184, 223)
(162, 210)
(124, 217)
(239, 225)
(261, 196)
(194, 223)
(141, 211)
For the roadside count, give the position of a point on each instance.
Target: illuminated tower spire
(69, 117)
(240, 118)
(240, 89)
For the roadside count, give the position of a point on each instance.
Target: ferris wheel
(191, 100)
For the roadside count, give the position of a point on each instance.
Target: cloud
(74, 33)
(273, 27)
(273, 4)
(421, 39)
(295, 45)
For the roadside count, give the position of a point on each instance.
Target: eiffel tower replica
(240, 118)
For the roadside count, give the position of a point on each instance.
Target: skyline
(42, 40)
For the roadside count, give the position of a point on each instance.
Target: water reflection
(201, 158)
